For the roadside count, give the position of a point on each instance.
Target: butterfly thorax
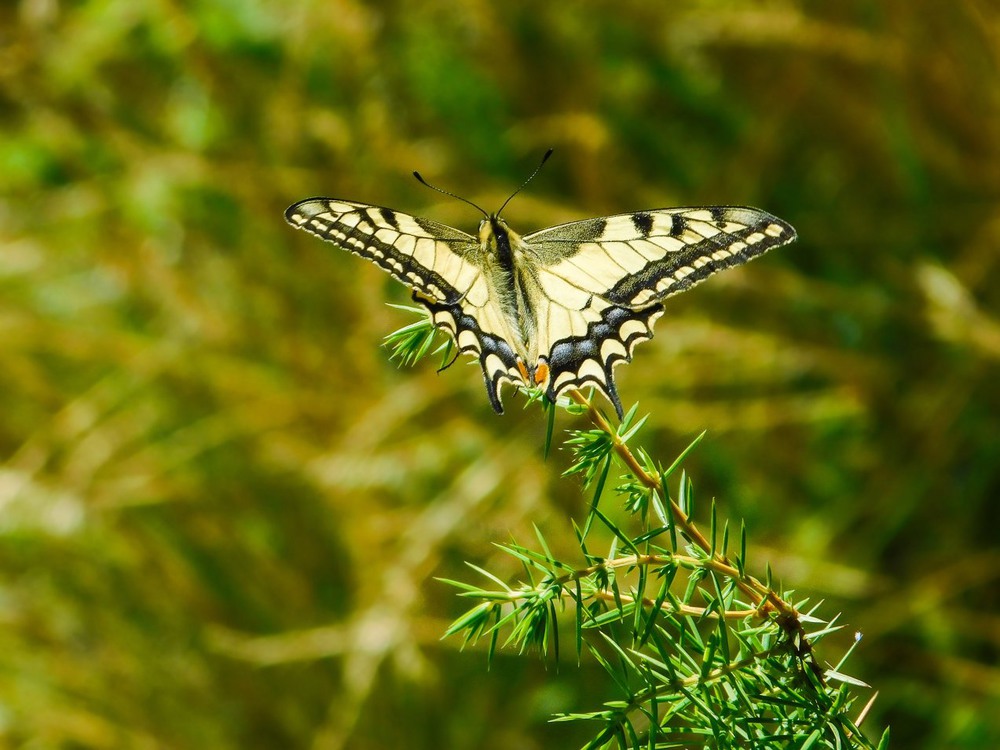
(505, 253)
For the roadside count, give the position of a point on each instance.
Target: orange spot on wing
(541, 373)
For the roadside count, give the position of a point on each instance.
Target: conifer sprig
(702, 653)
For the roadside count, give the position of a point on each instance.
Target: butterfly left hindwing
(609, 275)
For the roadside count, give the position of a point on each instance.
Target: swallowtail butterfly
(556, 309)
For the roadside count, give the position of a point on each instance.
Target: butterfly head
(491, 227)
(498, 240)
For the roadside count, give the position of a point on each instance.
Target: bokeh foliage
(221, 508)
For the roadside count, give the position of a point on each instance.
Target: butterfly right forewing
(432, 258)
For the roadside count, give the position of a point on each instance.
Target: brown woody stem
(762, 596)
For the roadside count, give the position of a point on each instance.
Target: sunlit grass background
(222, 508)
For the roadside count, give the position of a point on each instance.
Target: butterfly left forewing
(641, 258)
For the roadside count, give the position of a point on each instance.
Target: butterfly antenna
(524, 184)
(425, 183)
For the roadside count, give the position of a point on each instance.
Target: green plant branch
(632, 561)
(703, 613)
(662, 691)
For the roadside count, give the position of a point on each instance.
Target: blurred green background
(222, 509)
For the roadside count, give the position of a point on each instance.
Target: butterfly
(557, 309)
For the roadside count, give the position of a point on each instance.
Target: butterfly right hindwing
(442, 265)
(589, 359)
